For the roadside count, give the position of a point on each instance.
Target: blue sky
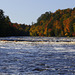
(28, 11)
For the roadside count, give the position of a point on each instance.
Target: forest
(60, 23)
(7, 28)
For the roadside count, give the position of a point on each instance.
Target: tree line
(61, 23)
(7, 28)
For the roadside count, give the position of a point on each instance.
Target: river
(37, 56)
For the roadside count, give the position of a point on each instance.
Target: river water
(37, 56)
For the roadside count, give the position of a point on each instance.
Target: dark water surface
(36, 58)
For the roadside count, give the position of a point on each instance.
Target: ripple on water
(19, 58)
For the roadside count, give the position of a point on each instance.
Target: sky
(28, 11)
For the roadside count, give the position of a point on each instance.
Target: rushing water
(27, 56)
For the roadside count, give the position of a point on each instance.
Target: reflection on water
(31, 58)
